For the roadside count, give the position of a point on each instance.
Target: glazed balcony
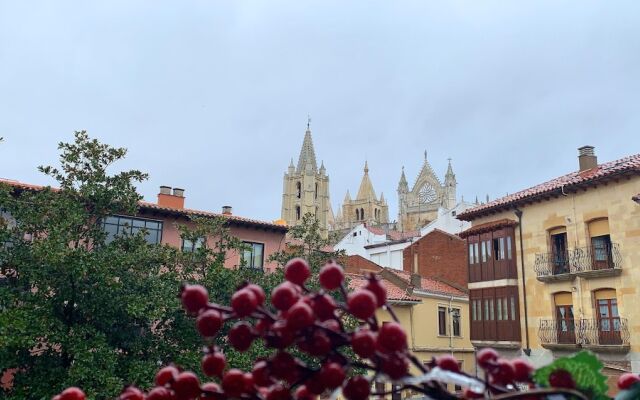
(598, 334)
(588, 262)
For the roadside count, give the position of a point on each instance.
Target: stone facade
(306, 188)
(419, 205)
(365, 208)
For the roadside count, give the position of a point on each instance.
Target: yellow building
(561, 260)
(434, 315)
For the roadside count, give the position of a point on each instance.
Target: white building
(447, 221)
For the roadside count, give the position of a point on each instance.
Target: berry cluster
(313, 322)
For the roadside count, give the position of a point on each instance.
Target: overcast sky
(213, 96)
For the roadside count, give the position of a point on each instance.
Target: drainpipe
(450, 326)
(527, 349)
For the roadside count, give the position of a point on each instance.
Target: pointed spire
(382, 199)
(307, 154)
(449, 169)
(347, 197)
(366, 191)
(477, 202)
(322, 168)
(403, 181)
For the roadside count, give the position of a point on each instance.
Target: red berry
(300, 316)
(364, 343)
(376, 287)
(315, 385)
(392, 337)
(332, 375)
(319, 344)
(470, 394)
(503, 372)
(278, 392)
(361, 304)
(209, 388)
(261, 374)
(297, 271)
(486, 357)
(561, 378)
(522, 370)
(186, 385)
(233, 383)
(448, 363)
(244, 302)
(160, 393)
(303, 393)
(395, 366)
(282, 364)
(166, 375)
(248, 383)
(209, 323)
(132, 393)
(257, 290)
(282, 336)
(284, 296)
(213, 364)
(240, 336)
(323, 306)
(331, 276)
(194, 297)
(72, 393)
(626, 380)
(357, 388)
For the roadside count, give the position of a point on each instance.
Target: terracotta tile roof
(394, 293)
(430, 285)
(488, 227)
(393, 234)
(145, 205)
(627, 165)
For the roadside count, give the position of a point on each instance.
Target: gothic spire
(307, 154)
(347, 197)
(366, 191)
(450, 170)
(403, 181)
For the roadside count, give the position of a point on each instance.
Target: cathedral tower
(366, 207)
(306, 188)
(419, 205)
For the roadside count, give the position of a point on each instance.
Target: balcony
(588, 262)
(597, 334)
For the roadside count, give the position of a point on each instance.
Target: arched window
(362, 213)
(607, 317)
(297, 212)
(316, 193)
(298, 189)
(565, 324)
(357, 215)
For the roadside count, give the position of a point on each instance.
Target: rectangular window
(253, 255)
(509, 247)
(486, 310)
(442, 321)
(116, 225)
(496, 249)
(477, 252)
(488, 249)
(479, 306)
(492, 317)
(505, 311)
(189, 246)
(484, 251)
(455, 321)
(470, 253)
(513, 308)
(499, 313)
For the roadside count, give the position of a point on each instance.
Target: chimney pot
(165, 189)
(587, 158)
(227, 210)
(178, 192)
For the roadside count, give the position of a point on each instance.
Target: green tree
(74, 309)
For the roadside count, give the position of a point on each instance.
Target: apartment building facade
(554, 268)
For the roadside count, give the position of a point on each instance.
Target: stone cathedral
(419, 205)
(306, 189)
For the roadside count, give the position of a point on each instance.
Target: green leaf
(585, 369)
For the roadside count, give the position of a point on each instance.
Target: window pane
(502, 248)
(486, 310)
(496, 249)
(111, 220)
(509, 247)
(483, 248)
(257, 257)
(442, 321)
(477, 253)
(112, 231)
(513, 308)
(470, 253)
(505, 313)
(456, 322)
(138, 223)
(491, 310)
(488, 249)
(499, 310)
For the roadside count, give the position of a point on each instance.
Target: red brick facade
(359, 265)
(438, 255)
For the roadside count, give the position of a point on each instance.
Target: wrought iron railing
(585, 332)
(551, 331)
(581, 259)
(604, 331)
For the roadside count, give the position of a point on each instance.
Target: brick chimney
(227, 210)
(171, 200)
(587, 158)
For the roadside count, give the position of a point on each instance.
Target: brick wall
(358, 265)
(439, 255)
